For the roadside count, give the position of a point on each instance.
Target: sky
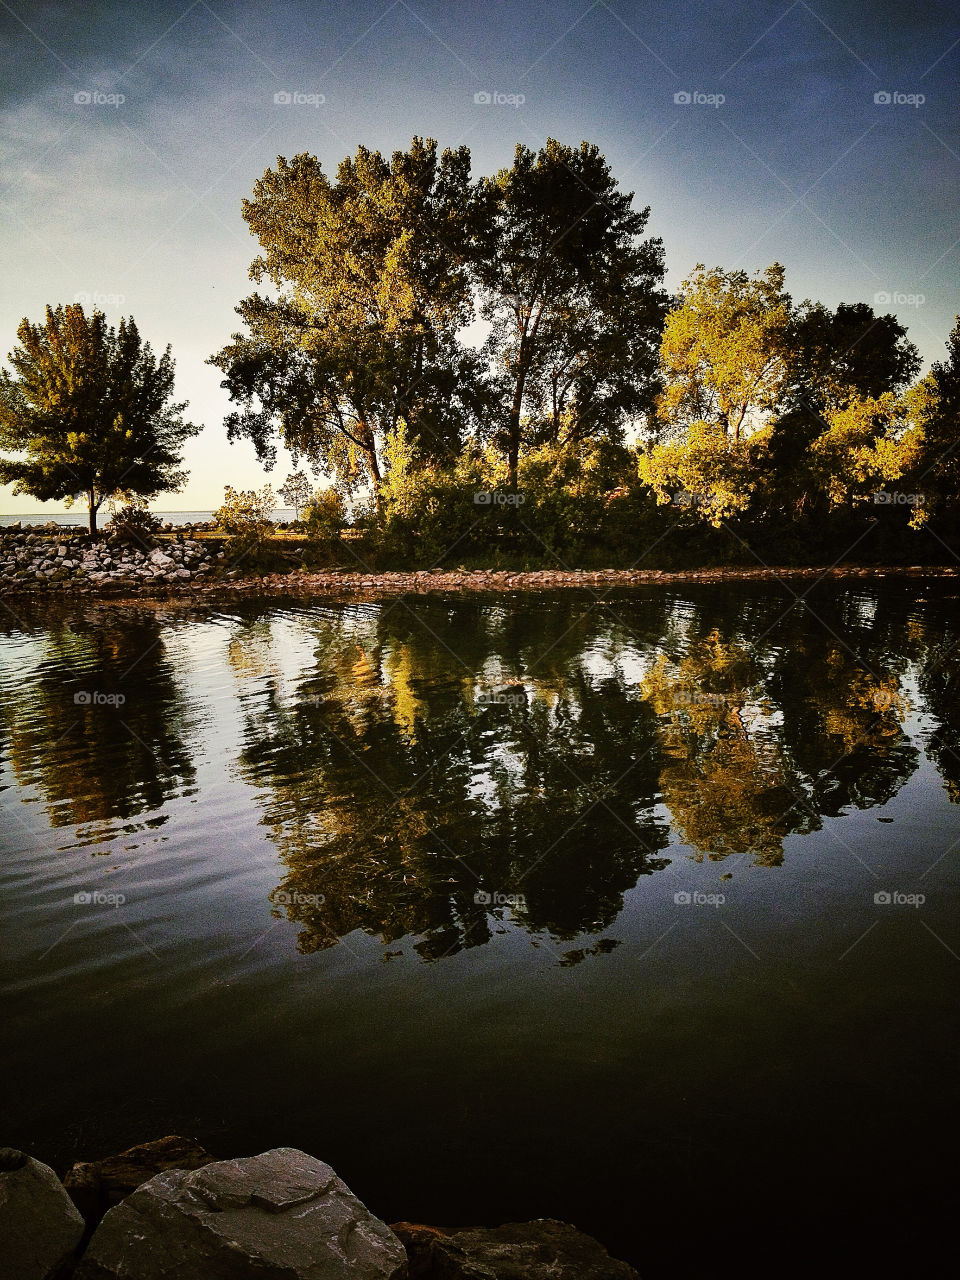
(825, 136)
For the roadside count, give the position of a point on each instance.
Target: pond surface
(636, 910)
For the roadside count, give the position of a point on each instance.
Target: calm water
(533, 906)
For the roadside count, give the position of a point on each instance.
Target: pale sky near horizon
(135, 204)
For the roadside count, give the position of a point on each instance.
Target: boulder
(281, 1215)
(95, 1186)
(40, 1229)
(540, 1250)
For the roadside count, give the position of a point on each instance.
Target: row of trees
(375, 276)
(730, 400)
(734, 396)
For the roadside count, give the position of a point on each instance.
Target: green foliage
(774, 412)
(369, 273)
(324, 515)
(90, 412)
(866, 447)
(245, 514)
(135, 522)
(296, 491)
(835, 357)
(762, 427)
(934, 405)
(724, 352)
(708, 475)
(573, 296)
(572, 500)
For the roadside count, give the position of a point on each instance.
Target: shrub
(134, 522)
(324, 515)
(245, 514)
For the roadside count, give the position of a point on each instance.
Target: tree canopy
(573, 296)
(377, 274)
(370, 284)
(89, 410)
(775, 408)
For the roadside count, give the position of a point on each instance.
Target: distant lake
(635, 910)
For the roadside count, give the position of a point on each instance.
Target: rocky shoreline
(345, 582)
(32, 560)
(169, 1208)
(34, 563)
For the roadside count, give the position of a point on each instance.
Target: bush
(324, 516)
(245, 514)
(580, 504)
(134, 522)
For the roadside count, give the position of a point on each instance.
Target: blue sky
(135, 204)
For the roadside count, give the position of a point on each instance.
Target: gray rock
(540, 1250)
(95, 1186)
(40, 1230)
(278, 1216)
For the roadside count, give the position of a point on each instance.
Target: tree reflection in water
(102, 729)
(436, 755)
(403, 786)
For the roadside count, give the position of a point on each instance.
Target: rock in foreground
(278, 1216)
(40, 1230)
(94, 1187)
(541, 1250)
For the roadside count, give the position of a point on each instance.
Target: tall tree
(724, 365)
(935, 403)
(296, 491)
(371, 287)
(844, 367)
(573, 296)
(724, 351)
(837, 356)
(90, 412)
(786, 409)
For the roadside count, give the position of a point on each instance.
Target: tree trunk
(513, 431)
(374, 465)
(94, 507)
